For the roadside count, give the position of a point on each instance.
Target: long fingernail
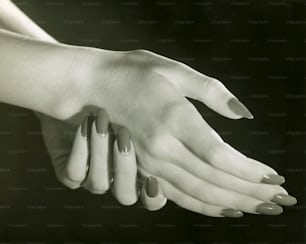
(273, 179)
(238, 108)
(84, 127)
(152, 187)
(102, 122)
(232, 213)
(124, 140)
(284, 199)
(269, 209)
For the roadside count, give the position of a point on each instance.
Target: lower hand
(88, 156)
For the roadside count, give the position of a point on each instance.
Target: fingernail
(124, 140)
(284, 199)
(269, 209)
(238, 108)
(84, 127)
(232, 213)
(102, 122)
(273, 179)
(152, 187)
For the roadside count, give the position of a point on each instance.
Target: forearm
(13, 19)
(37, 75)
(61, 98)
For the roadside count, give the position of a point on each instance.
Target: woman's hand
(92, 157)
(196, 169)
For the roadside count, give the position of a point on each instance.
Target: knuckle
(196, 189)
(216, 151)
(177, 65)
(71, 185)
(214, 86)
(141, 56)
(97, 187)
(157, 83)
(143, 52)
(174, 112)
(257, 191)
(181, 200)
(156, 143)
(73, 176)
(241, 202)
(210, 83)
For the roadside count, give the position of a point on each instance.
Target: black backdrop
(257, 48)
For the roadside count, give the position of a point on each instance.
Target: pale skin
(144, 92)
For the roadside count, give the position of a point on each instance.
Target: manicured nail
(102, 122)
(269, 209)
(124, 140)
(232, 213)
(238, 108)
(84, 127)
(152, 187)
(284, 199)
(273, 179)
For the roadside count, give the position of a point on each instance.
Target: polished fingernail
(284, 199)
(238, 108)
(232, 213)
(102, 122)
(273, 179)
(124, 140)
(152, 187)
(269, 209)
(84, 127)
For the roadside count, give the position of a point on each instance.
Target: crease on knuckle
(155, 143)
(210, 84)
(73, 176)
(216, 151)
(196, 189)
(97, 187)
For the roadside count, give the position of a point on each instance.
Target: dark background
(257, 48)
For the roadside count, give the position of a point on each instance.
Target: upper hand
(146, 93)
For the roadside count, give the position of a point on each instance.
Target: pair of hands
(145, 93)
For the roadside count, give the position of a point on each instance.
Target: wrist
(83, 88)
(73, 89)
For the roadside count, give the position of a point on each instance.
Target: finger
(212, 194)
(99, 173)
(73, 172)
(243, 166)
(125, 187)
(200, 168)
(204, 142)
(190, 203)
(152, 196)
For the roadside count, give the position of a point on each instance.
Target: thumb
(207, 90)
